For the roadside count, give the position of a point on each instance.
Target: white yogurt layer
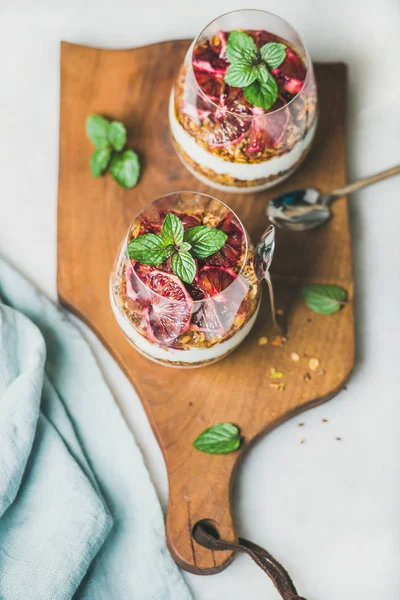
(189, 356)
(243, 172)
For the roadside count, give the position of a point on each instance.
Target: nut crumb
(277, 386)
(303, 441)
(279, 340)
(307, 377)
(280, 312)
(300, 425)
(320, 372)
(186, 339)
(263, 340)
(274, 374)
(314, 363)
(339, 439)
(295, 356)
(324, 420)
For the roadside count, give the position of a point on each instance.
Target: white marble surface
(329, 510)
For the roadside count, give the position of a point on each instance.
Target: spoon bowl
(302, 210)
(299, 210)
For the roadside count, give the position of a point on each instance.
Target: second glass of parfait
(243, 110)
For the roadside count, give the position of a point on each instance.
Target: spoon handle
(272, 302)
(358, 185)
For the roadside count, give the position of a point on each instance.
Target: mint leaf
(241, 46)
(97, 130)
(274, 54)
(262, 95)
(324, 299)
(205, 240)
(218, 439)
(240, 74)
(172, 230)
(185, 247)
(99, 161)
(125, 168)
(149, 249)
(184, 265)
(117, 135)
(262, 73)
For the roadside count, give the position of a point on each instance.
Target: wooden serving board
(93, 217)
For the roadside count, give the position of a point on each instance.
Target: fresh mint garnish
(172, 230)
(110, 139)
(117, 135)
(99, 161)
(324, 299)
(249, 68)
(205, 240)
(273, 54)
(97, 130)
(149, 249)
(262, 95)
(125, 168)
(200, 241)
(183, 265)
(263, 75)
(240, 74)
(218, 439)
(241, 46)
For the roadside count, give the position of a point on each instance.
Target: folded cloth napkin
(79, 517)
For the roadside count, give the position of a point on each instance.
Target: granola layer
(224, 179)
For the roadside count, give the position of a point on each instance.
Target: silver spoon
(263, 255)
(300, 210)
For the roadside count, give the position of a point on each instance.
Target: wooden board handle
(195, 497)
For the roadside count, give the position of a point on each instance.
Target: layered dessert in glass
(191, 306)
(243, 110)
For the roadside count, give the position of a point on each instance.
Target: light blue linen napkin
(79, 516)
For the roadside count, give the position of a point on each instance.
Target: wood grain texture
(93, 216)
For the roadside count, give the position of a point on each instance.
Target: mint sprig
(262, 95)
(324, 299)
(182, 246)
(172, 230)
(241, 46)
(110, 139)
(218, 439)
(204, 240)
(249, 68)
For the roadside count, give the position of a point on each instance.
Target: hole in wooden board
(207, 526)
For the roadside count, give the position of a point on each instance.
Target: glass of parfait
(243, 110)
(180, 310)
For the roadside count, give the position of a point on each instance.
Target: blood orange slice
(206, 319)
(291, 74)
(170, 307)
(211, 281)
(293, 66)
(219, 306)
(231, 251)
(213, 87)
(207, 59)
(267, 129)
(147, 226)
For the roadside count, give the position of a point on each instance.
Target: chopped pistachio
(314, 363)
